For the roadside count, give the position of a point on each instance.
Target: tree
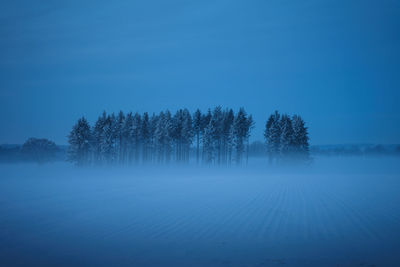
(128, 137)
(272, 136)
(197, 129)
(168, 132)
(108, 140)
(208, 143)
(240, 131)
(187, 134)
(119, 134)
(39, 150)
(212, 136)
(145, 134)
(159, 137)
(79, 141)
(249, 127)
(177, 134)
(216, 134)
(230, 143)
(96, 140)
(300, 138)
(136, 134)
(286, 138)
(227, 132)
(205, 120)
(152, 142)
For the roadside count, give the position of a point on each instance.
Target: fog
(335, 211)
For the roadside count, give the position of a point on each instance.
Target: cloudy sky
(335, 62)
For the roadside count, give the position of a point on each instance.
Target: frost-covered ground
(342, 212)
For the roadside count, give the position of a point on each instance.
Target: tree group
(219, 137)
(286, 137)
(39, 150)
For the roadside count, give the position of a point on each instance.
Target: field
(336, 212)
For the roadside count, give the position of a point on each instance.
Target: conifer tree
(177, 134)
(300, 138)
(136, 136)
(205, 120)
(240, 130)
(197, 131)
(229, 117)
(286, 137)
(217, 129)
(168, 133)
(145, 134)
(208, 144)
(159, 137)
(231, 143)
(152, 144)
(108, 140)
(127, 137)
(272, 135)
(79, 141)
(119, 132)
(97, 133)
(187, 133)
(249, 127)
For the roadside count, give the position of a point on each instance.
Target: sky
(335, 62)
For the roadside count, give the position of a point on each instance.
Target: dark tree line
(219, 136)
(286, 138)
(39, 150)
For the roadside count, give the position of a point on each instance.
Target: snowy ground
(342, 212)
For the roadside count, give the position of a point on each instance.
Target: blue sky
(336, 63)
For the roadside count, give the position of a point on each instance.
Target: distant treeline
(38, 150)
(356, 150)
(220, 136)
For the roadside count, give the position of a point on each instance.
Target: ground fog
(336, 211)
